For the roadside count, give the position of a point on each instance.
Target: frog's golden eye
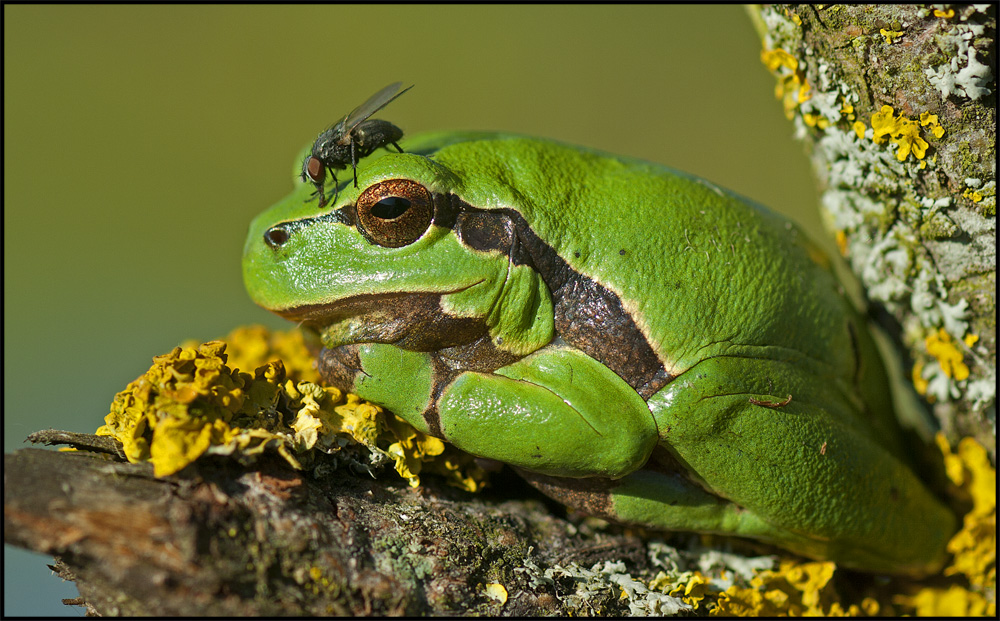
(395, 212)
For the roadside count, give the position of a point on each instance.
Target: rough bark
(920, 234)
(223, 539)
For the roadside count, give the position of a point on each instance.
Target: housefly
(350, 140)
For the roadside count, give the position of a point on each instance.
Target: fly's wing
(375, 103)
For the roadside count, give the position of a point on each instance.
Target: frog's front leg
(557, 411)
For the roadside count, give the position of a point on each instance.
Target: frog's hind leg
(657, 498)
(810, 473)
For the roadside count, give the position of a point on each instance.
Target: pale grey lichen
(884, 265)
(939, 384)
(826, 104)
(641, 600)
(858, 163)
(603, 582)
(667, 558)
(588, 591)
(782, 27)
(928, 303)
(717, 563)
(982, 391)
(963, 75)
(933, 205)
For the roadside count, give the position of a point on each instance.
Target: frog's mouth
(414, 321)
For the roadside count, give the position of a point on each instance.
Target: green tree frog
(635, 341)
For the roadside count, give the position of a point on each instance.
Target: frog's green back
(686, 258)
(702, 271)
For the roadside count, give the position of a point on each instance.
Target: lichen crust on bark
(897, 107)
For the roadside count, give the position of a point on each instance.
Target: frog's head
(401, 259)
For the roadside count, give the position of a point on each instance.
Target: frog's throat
(413, 321)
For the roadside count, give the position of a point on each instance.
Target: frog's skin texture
(637, 342)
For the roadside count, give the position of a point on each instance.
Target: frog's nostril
(276, 236)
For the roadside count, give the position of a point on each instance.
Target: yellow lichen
(744, 602)
(792, 86)
(884, 124)
(693, 591)
(178, 441)
(774, 59)
(691, 587)
(249, 347)
(794, 589)
(181, 406)
(841, 238)
(910, 141)
(919, 383)
(940, 345)
(411, 449)
(955, 601)
(944, 14)
(859, 129)
(847, 110)
(816, 120)
(792, 16)
(927, 118)
(890, 35)
(497, 592)
(457, 469)
(192, 402)
(973, 195)
(803, 95)
(974, 547)
(901, 130)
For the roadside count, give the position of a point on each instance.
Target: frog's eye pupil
(390, 208)
(315, 169)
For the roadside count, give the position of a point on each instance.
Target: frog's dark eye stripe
(394, 213)
(279, 234)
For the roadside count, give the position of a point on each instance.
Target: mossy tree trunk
(897, 106)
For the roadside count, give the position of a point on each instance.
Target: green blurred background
(139, 141)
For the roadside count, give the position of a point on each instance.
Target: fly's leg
(354, 162)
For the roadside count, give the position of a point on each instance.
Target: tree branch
(221, 539)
